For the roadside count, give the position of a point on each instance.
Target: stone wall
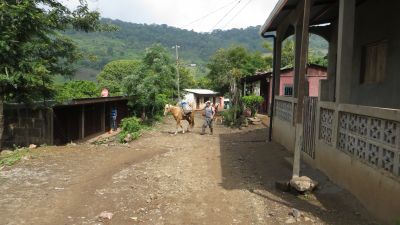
(24, 126)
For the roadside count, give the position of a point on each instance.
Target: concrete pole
(177, 70)
(301, 62)
(345, 43)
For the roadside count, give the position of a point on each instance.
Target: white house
(198, 97)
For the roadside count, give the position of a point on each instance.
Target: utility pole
(177, 69)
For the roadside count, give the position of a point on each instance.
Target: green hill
(131, 40)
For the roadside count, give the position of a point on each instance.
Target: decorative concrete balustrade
(284, 108)
(368, 134)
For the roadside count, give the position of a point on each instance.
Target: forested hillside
(131, 39)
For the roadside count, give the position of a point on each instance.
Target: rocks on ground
(105, 215)
(303, 184)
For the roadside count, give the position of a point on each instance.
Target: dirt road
(226, 178)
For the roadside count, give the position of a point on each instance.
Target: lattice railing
(284, 110)
(326, 125)
(375, 141)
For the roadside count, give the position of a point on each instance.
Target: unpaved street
(226, 178)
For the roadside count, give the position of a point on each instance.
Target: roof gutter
(278, 8)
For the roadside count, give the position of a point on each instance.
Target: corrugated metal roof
(322, 11)
(201, 91)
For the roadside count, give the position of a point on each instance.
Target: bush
(253, 102)
(229, 116)
(132, 126)
(76, 89)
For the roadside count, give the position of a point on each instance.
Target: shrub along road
(226, 178)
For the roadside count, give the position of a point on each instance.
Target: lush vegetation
(130, 41)
(130, 126)
(113, 74)
(252, 102)
(316, 56)
(154, 82)
(227, 66)
(33, 50)
(76, 89)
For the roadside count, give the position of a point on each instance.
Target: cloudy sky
(199, 15)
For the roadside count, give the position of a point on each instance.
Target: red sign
(104, 93)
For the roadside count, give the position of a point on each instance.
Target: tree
(223, 63)
(186, 78)
(314, 57)
(113, 74)
(227, 66)
(32, 49)
(76, 89)
(288, 50)
(153, 83)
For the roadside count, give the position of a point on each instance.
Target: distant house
(260, 84)
(198, 97)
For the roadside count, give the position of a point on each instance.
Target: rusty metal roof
(85, 101)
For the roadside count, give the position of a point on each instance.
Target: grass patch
(14, 157)
(134, 127)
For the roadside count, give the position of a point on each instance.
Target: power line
(237, 14)
(203, 17)
(226, 15)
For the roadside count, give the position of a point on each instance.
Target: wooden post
(301, 62)
(1, 120)
(103, 117)
(345, 43)
(82, 123)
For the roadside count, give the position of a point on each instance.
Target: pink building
(260, 84)
(314, 74)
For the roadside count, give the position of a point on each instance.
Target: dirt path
(227, 178)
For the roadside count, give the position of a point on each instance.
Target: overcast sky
(186, 14)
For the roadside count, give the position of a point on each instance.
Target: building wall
(24, 126)
(314, 75)
(376, 21)
(357, 147)
(286, 79)
(282, 123)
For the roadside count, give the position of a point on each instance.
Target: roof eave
(267, 25)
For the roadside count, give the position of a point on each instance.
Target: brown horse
(217, 115)
(179, 115)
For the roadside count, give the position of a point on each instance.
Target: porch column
(300, 72)
(277, 71)
(327, 90)
(345, 50)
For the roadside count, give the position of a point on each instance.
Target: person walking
(114, 119)
(209, 113)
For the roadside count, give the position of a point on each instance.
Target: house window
(374, 62)
(288, 90)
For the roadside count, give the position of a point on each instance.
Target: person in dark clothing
(114, 119)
